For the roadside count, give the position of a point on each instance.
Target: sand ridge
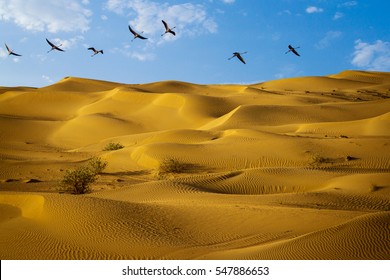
(288, 169)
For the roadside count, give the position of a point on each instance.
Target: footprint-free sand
(295, 168)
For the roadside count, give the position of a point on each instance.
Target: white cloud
(338, 15)
(146, 16)
(348, 4)
(47, 79)
(228, 1)
(284, 12)
(142, 55)
(327, 40)
(43, 15)
(288, 70)
(312, 10)
(3, 53)
(374, 56)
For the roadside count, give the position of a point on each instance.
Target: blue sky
(332, 35)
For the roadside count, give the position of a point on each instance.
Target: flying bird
(167, 29)
(95, 52)
(238, 55)
(10, 52)
(136, 35)
(292, 49)
(54, 47)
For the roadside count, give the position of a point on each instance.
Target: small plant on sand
(79, 181)
(97, 165)
(113, 146)
(168, 167)
(317, 161)
(374, 188)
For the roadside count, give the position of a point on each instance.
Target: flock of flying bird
(138, 35)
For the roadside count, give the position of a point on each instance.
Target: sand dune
(294, 168)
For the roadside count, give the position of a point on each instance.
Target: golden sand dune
(294, 168)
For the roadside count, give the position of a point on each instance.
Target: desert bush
(113, 146)
(168, 167)
(171, 165)
(79, 181)
(318, 160)
(97, 165)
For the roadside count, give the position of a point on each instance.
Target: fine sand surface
(288, 169)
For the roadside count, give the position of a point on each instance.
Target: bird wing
(8, 49)
(10, 52)
(101, 51)
(240, 58)
(172, 32)
(132, 31)
(58, 49)
(234, 54)
(165, 25)
(50, 43)
(92, 49)
(142, 37)
(295, 52)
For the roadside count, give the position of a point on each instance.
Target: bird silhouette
(167, 29)
(54, 47)
(10, 52)
(238, 55)
(136, 35)
(95, 52)
(292, 49)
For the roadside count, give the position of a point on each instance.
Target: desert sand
(295, 168)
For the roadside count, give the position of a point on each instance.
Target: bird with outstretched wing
(54, 47)
(10, 52)
(293, 50)
(168, 29)
(238, 55)
(136, 35)
(95, 51)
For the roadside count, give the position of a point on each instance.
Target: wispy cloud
(140, 55)
(338, 15)
(284, 12)
(327, 40)
(347, 4)
(47, 79)
(3, 53)
(190, 19)
(288, 70)
(43, 15)
(228, 1)
(313, 10)
(374, 56)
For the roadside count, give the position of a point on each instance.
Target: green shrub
(97, 165)
(113, 146)
(171, 165)
(79, 181)
(317, 160)
(168, 167)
